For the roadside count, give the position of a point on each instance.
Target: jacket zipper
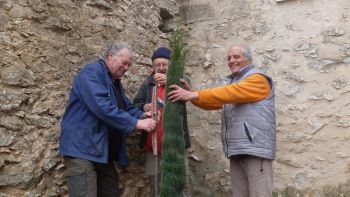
(247, 132)
(223, 111)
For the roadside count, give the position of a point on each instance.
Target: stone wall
(303, 44)
(43, 44)
(305, 47)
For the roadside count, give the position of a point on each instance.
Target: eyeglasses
(161, 65)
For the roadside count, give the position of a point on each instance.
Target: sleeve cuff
(132, 125)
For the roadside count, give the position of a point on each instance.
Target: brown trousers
(90, 179)
(251, 176)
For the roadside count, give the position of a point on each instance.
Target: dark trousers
(90, 179)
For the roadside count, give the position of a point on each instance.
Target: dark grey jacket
(144, 96)
(249, 128)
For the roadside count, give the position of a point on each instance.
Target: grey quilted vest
(249, 128)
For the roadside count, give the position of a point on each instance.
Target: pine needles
(173, 167)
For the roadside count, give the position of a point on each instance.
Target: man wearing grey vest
(247, 100)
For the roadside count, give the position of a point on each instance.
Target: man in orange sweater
(248, 126)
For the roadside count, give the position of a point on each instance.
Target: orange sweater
(251, 89)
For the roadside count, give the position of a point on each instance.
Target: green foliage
(274, 194)
(282, 193)
(173, 151)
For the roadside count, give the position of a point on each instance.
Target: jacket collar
(151, 80)
(103, 63)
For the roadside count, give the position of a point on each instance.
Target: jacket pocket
(91, 142)
(247, 132)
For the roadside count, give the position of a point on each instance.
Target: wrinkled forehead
(160, 61)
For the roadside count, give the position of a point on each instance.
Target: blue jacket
(92, 112)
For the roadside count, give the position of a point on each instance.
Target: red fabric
(148, 145)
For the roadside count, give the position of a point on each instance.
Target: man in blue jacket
(96, 122)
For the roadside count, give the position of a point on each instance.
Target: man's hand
(147, 115)
(186, 86)
(147, 124)
(147, 107)
(160, 78)
(180, 94)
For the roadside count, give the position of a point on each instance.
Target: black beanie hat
(161, 52)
